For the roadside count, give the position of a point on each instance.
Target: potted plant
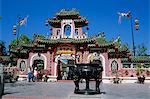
(116, 78)
(140, 70)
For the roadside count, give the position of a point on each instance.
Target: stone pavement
(64, 90)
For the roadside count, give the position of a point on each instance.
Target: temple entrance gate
(64, 69)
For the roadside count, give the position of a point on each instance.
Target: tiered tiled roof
(4, 58)
(68, 40)
(68, 14)
(64, 12)
(103, 43)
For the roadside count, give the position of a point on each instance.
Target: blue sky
(101, 14)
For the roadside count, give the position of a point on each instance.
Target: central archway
(62, 66)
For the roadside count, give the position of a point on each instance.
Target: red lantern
(49, 48)
(79, 17)
(35, 45)
(18, 49)
(51, 29)
(86, 22)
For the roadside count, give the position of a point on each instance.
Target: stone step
(85, 97)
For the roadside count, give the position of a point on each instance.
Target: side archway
(37, 57)
(100, 57)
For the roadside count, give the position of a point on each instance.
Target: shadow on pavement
(6, 93)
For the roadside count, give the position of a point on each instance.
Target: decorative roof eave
(106, 45)
(117, 55)
(101, 42)
(50, 41)
(5, 58)
(54, 21)
(83, 19)
(33, 45)
(139, 59)
(24, 51)
(111, 50)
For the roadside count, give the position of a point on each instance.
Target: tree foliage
(23, 39)
(139, 69)
(2, 48)
(37, 36)
(141, 50)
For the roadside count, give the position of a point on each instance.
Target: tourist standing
(30, 75)
(35, 73)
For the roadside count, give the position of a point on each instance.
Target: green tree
(141, 50)
(139, 68)
(2, 48)
(23, 39)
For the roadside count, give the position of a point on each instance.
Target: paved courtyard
(64, 90)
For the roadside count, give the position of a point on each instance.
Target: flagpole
(19, 19)
(132, 35)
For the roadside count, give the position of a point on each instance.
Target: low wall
(124, 79)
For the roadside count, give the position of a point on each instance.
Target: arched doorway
(65, 65)
(38, 64)
(67, 30)
(97, 56)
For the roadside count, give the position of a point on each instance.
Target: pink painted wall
(52, 64)
(85, 56)
(26, 63)
(106, 63)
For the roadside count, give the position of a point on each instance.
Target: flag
(123, 15)
(23, 21)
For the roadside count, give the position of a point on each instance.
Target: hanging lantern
(35, 45)
(18, 49)
(46, 23)
(49, 48)
(136, 24)
(86, 22)
(79, 17)
(87, 28)
(14, 29)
